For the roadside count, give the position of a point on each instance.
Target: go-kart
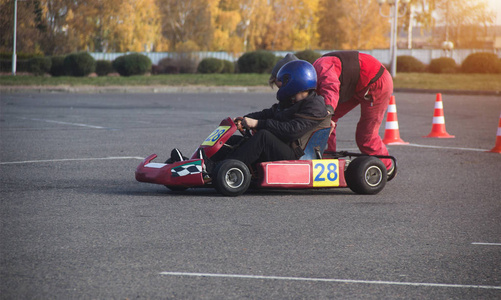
(315, 169)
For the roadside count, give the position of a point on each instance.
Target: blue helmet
(296, 76)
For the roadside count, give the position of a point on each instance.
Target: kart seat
(316, 144)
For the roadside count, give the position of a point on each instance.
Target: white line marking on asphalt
(491, 287)
(487, 244)
(64, 123)
(440, 147)
(69, 159)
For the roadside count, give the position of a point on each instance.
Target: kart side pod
(364, 175)
(298, 174)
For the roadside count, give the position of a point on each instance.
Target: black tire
(231, 177)
(366, 175)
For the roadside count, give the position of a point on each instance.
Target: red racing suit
(370, 85)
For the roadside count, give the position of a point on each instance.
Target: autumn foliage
(62, 26)
(249, 29)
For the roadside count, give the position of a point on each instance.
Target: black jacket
(293, 123)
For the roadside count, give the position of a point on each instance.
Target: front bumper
(186, 173)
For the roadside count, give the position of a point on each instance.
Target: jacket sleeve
(262, 115)
(309, 116)
(291, 130)
(328, 70)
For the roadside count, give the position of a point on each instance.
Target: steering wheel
(240, 127)
(244, 131)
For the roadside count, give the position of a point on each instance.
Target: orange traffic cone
(497, 147)
(438, 126)
(391, 133)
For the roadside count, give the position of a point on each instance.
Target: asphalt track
(76, 225)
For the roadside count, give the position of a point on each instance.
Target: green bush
(260, 61)
(79, 64)
(180, 63)
(57, 66)
(132, 64)
(5, 55)
(104, 67)
(166, 66)
(22, 61)
(443, 65)
(481, 62)
(5, 64)
(308, 55)
(20, 55)
(229, 66)
(408, 64)
(23, 65)
(186, 63)
(40, 65)
(210, 65)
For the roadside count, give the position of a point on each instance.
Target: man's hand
(249, 122)
(238, 122)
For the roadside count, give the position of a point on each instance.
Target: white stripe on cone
(392, 108)
(438, 120)
(391, 125)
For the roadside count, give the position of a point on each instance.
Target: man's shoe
(175, 155)
(391, 172)
(209, 164)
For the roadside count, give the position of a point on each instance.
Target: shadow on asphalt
(205, 192)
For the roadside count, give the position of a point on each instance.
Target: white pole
(392, 35)
(394, 46)
(14, 55)
(409, 33)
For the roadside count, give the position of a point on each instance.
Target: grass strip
(466, 82)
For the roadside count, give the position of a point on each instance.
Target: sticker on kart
(215, 135)
(191, 168)
(325, 172)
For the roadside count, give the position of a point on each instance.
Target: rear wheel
(232, 177)
(366, 175)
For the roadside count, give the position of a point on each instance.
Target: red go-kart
(364, 174)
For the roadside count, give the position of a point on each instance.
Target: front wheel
(366, 175)
(232, 177)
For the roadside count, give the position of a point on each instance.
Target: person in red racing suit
(284, 129)
(347, 79)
